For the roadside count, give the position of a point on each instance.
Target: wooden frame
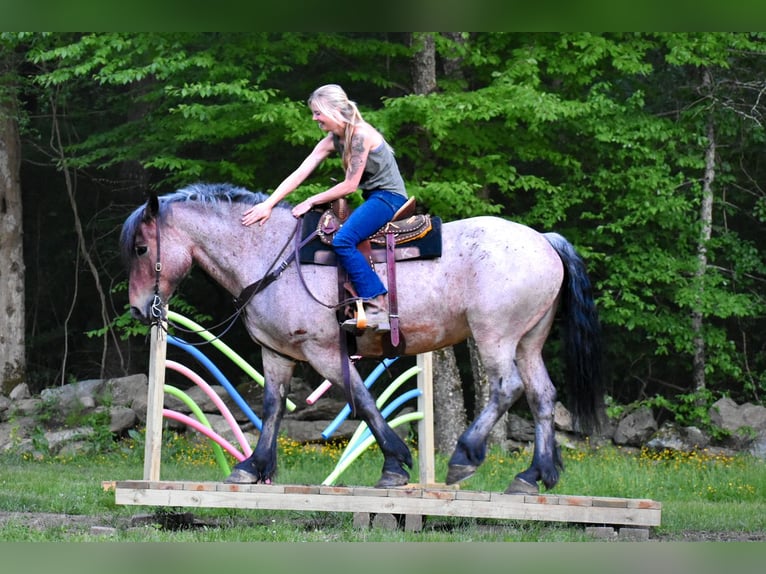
(426, 498)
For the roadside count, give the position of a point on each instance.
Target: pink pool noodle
(318, 392)
(211, 434)
(200, 382)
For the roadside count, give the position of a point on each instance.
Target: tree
(12, 303)
(601, 137)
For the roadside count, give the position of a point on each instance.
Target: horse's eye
(140, 250)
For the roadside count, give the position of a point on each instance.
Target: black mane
(213, 193)
(205, 193)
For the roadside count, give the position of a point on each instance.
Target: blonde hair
(331, 100)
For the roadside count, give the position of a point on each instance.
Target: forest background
(644, 149)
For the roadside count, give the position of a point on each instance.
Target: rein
(157, 307)
(246, 295)
(256, 287)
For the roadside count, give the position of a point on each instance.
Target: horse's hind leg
(541, 397)
(505, 388)
(261, 466)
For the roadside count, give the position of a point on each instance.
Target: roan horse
(497, 281)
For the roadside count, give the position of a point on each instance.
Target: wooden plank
(426, 461)
(154, 401)
(579, 509)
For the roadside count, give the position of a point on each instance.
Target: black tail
(582, 339)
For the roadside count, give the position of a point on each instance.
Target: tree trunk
(499, 432)
(706, 220)
(453, 65)
(423, 62)
(12, 339)
(449, 406)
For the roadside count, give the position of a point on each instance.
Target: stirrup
(360, 323)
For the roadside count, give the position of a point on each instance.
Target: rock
(24, 418)
(15, 432)
(70, 395)
(20, 392)
(745, 422)
(121, 419)
(26, 407)
(5, 405)
(57, 440)
(726, 414)
(757, 447)
(635, 428)
(683, 439)
(129, 391)
(562, 418)
(520, 429)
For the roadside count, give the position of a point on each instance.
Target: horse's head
(154, 259)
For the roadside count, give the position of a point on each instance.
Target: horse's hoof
(521, 486)
(458, 472)
(391, 479)
(239, 476)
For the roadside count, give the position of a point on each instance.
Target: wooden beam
(417, 501)
(154, 402)
(426, 462)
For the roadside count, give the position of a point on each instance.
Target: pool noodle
(200, 382)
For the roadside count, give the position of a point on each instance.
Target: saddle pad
(317, 253)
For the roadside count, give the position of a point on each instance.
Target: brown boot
(376, 317)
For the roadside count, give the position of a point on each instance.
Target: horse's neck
(235, 255)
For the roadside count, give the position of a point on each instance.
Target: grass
(701, 492)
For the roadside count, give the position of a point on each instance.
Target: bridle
(241, 302)
(157, 309)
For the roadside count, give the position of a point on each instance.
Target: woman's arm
(262, 211)
(361, 144)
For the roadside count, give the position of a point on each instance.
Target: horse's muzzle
(137, 314)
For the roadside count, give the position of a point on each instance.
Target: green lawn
(699, 492)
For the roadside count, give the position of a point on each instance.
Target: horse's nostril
(136, 313)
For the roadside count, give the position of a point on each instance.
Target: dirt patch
(50, 521)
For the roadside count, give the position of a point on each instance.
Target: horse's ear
(152, 206)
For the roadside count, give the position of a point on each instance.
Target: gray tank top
(381, 172)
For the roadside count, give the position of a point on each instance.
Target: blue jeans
(374, 213)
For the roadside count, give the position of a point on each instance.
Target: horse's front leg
(261, 466)
(396, 454)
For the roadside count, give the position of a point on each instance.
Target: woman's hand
(258, 213)
(303, 207)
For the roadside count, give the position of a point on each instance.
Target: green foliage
(601, 137)
(689, 409)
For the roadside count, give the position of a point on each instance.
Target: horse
(498, 281)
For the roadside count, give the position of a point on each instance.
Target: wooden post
(155, 401)
(426, 424)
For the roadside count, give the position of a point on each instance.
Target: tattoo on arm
(355, 162)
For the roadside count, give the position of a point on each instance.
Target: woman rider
(369, 165)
